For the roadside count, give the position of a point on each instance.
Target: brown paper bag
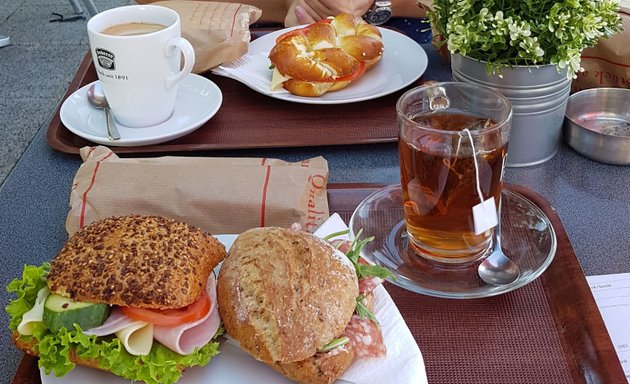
(607, 64)
(218, 195)
(219, 32)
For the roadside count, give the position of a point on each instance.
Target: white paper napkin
(251, 70)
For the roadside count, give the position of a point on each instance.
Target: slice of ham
(117, 321)
(365, 337)
(184, 338)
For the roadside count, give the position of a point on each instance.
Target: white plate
(233, 365)
(403, 62)
(198, 99)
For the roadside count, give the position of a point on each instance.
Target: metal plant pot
(539, 98)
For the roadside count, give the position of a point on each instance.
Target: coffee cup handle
(189, 60)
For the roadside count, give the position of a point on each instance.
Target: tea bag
(485, 213)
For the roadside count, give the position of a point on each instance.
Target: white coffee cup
(140, 72)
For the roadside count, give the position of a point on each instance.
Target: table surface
(592, 200)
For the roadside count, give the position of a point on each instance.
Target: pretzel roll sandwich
(131, 295)
(290, 300)
(325, 56)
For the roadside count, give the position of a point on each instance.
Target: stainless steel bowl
(597, 124)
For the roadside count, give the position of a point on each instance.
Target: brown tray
(248, 119)
(549, 331)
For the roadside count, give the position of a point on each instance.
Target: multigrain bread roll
(285, 294)
(321, 368)
(325, 56)
(136, 261)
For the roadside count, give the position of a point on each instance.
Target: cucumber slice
(62, 312)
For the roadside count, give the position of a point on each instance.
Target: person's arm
(273, 11)
(407, 8)
(308, 11)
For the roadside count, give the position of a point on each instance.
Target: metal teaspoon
(96, 97)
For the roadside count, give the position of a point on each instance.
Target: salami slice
(368, 284)
(342, 245)
(365, 337)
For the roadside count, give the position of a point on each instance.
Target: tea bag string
(474, 156)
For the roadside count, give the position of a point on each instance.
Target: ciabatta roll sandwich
(131, 295)
(325, 56)
(294, 302)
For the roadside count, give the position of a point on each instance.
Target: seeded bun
(284, 294)
(136, 261)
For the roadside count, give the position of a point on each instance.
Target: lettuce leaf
(33, 279)
(159, 366)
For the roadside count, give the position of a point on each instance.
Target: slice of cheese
(35, 314)
(137, 338)
(277, 79)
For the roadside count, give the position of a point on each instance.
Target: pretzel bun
(358, 39)
(325, 56)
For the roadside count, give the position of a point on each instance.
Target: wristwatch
(379, 13)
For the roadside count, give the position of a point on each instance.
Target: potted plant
(528, 50)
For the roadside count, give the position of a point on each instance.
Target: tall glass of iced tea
(452, 142)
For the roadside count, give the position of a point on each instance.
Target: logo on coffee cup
(105, 59)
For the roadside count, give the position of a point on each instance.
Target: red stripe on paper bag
(606, 60)
(263, 204)
(85, 194)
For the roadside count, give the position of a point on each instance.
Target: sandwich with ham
(299, 304)
(131, 295)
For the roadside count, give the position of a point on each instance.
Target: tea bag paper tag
(485, 216)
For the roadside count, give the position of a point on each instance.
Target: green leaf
(33, 279)
(374, 270)
(354, 254)
(363, 311)
(334, 344)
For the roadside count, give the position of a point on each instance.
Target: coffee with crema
(132, 29)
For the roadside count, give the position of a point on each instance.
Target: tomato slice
(353, 76)
(171, 317)
(295, 32)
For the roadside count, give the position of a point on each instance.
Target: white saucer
(198, 99)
